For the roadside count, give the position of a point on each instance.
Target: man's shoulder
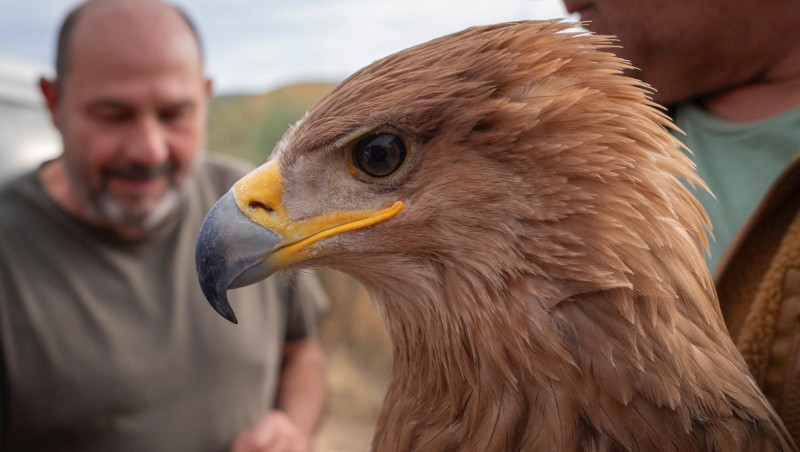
(26, 211)
(12, 187)
(20, 192)
(222, 171)
(226, 165)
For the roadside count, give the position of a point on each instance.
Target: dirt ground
(353, 409)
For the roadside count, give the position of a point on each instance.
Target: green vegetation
(249, 127)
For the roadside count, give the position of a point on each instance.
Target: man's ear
(50, 92)
(209, 87)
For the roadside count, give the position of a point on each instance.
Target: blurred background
(270, 62)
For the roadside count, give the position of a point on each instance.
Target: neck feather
(466, 369)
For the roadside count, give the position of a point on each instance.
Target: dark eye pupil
(379, 155)
(374, 154)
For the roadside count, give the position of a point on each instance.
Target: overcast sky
(257, 45)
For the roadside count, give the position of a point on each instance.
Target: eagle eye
(379, 155)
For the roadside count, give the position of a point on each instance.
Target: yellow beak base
(259, 195)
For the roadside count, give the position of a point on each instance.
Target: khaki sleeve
(307, 298)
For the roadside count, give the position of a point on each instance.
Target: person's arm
(303, 388)
(5, 391)
(300, 404)
(4, 396)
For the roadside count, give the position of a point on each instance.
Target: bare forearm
(303, 389)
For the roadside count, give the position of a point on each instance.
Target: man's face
(132, 127)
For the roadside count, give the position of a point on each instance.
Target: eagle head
(506, 150)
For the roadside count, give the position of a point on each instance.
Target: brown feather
(545, 287)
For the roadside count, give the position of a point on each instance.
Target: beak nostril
(256, 205)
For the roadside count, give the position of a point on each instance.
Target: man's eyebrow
(120, 105)
(106, 103)
(181, 104)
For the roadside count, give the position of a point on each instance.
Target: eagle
(515, 206)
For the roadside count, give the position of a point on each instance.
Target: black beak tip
(214, 288)
(224, 309)
(216, 292)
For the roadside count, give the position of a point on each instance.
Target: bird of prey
(514, 205)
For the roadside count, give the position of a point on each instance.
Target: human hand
(274, 432)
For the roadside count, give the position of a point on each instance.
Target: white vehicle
(27, 138)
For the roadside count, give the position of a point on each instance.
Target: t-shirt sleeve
(4, 396)
(5, 393)
(306, 299)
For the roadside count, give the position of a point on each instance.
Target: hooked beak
(229, 248)
(248, 235)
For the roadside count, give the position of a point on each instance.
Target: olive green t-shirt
(739, 162)
(109, 345)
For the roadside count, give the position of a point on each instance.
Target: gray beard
(108, 210)
(105, 211)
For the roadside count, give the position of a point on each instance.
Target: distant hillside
(250, 126)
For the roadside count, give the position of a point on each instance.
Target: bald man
(107, 341)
